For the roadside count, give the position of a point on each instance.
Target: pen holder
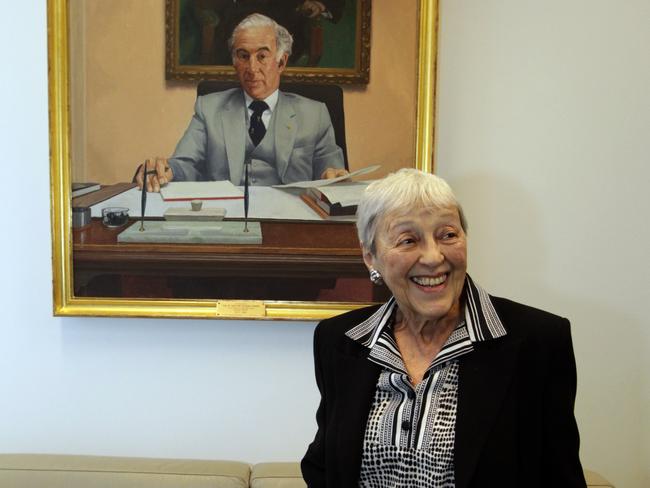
(115, 216)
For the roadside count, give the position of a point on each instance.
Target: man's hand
(163, 174)
(330, 173)
(311, 8)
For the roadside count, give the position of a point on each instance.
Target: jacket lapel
(358, 377)
(286, 127)
(484, 378)
(233, 119)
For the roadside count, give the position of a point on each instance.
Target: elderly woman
(444, 385)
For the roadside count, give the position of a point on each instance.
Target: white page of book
(346, 193)
(330, 181)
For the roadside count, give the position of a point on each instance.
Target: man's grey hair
(283, 39)
(400, 192)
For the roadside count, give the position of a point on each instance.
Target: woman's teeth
(428, 280)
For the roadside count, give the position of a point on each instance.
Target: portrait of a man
(282, 137)
(124, 112)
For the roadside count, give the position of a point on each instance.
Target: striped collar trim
(481, 319)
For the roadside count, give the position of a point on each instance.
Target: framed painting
(111, 107)
(331, 38)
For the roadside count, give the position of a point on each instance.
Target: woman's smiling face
(422, 257)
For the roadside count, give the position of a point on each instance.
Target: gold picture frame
(65, 303)
(357, 72)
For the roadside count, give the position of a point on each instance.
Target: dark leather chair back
(330, 95)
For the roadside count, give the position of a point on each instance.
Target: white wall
(122, 387)
(543, 130)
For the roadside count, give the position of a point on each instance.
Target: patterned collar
(481, 323)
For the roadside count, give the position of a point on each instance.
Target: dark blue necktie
(257, 129)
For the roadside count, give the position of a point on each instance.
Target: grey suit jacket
(213, 146)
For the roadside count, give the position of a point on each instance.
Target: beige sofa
(69, 471)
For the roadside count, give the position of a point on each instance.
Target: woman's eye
(406, 241)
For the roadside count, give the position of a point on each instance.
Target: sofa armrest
(70, 471)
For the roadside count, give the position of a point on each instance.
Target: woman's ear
(368, 258)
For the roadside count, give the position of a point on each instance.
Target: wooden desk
(297, 261)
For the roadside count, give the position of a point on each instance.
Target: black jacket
(515, 424)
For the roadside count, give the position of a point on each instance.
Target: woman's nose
(431, 253)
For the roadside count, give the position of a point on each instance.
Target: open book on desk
(79, 189)
(329, 181)
(101, 195)
(184, 191)
(335, 201)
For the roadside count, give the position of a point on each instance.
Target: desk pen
(246, 195)
(143, 200)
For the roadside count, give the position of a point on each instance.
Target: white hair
(404, 190)
(283, 39)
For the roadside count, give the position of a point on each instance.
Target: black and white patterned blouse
(409, 439)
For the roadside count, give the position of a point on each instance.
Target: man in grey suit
(282, 137)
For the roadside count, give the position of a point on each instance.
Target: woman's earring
(375, 277)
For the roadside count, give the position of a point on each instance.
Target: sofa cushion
(70, 471)
(277, 475)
